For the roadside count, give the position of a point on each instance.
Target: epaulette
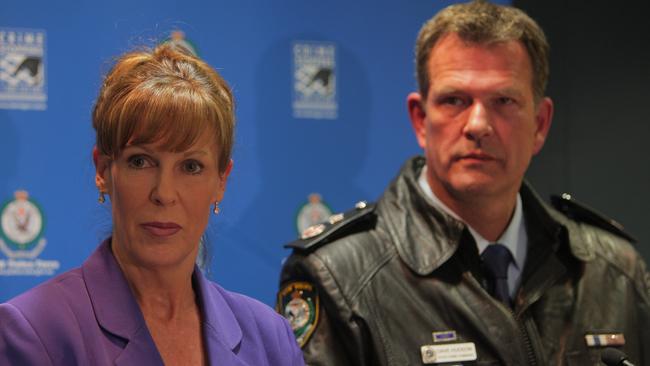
(583, 213)
(336, 226)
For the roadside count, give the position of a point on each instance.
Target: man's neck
(489, 220)
(488, 215)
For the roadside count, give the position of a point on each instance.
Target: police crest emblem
(21, 232)
(312, 213)
(298, 302)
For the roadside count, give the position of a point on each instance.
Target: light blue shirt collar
(514, 237)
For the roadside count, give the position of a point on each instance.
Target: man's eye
(505, 101)
(192, 167)
(138, 162)
(453, 101)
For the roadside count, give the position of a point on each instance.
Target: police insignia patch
(298, 302)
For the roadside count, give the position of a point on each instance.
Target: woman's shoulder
(51, 306)
(37, 321)
(45, 297)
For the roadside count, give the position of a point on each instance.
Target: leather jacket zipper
(530, 353)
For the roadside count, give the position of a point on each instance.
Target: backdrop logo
(22, 69)
(21, 238)
(314, 212)
(314, 80)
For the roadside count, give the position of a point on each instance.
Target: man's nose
(478, 125)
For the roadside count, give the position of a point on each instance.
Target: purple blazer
(88, 316)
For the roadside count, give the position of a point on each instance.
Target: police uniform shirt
(514, 237)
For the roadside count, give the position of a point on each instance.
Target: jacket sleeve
(338, 337)
(19, 342)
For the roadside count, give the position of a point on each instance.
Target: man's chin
(476, 187)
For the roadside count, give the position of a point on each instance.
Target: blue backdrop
(342, 135)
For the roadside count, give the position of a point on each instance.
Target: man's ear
(417, 114)
(543, 120)
(102, 164)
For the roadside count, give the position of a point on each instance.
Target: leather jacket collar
(426, 237)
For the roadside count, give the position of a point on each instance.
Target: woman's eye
(192, 167)
(138, 162)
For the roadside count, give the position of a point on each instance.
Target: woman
(164, 121)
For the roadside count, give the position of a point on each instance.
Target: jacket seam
(372, 272)
(630, 277)
(334, 280)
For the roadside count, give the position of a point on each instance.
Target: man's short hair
(480, 22)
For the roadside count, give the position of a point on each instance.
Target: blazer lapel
(221, 329)
(221, 355)
(116, 310)
(118, 313)
(140, 350)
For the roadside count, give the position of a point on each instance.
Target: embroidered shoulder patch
(298, 302)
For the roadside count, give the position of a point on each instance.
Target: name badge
(450, 352)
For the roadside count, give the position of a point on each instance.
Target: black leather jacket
(385, 278)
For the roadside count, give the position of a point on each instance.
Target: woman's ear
(102, 164)
(223, 178)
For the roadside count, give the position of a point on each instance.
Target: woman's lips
(161, 229)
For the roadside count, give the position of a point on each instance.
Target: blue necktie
(496, 258)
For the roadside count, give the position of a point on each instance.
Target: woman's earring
(101, 198)
(216, 208)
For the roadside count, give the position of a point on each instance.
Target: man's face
(479, 125)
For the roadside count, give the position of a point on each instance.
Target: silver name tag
(450, 352)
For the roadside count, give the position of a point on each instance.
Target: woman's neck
(162, 293)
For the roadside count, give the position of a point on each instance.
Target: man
(459, 261)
